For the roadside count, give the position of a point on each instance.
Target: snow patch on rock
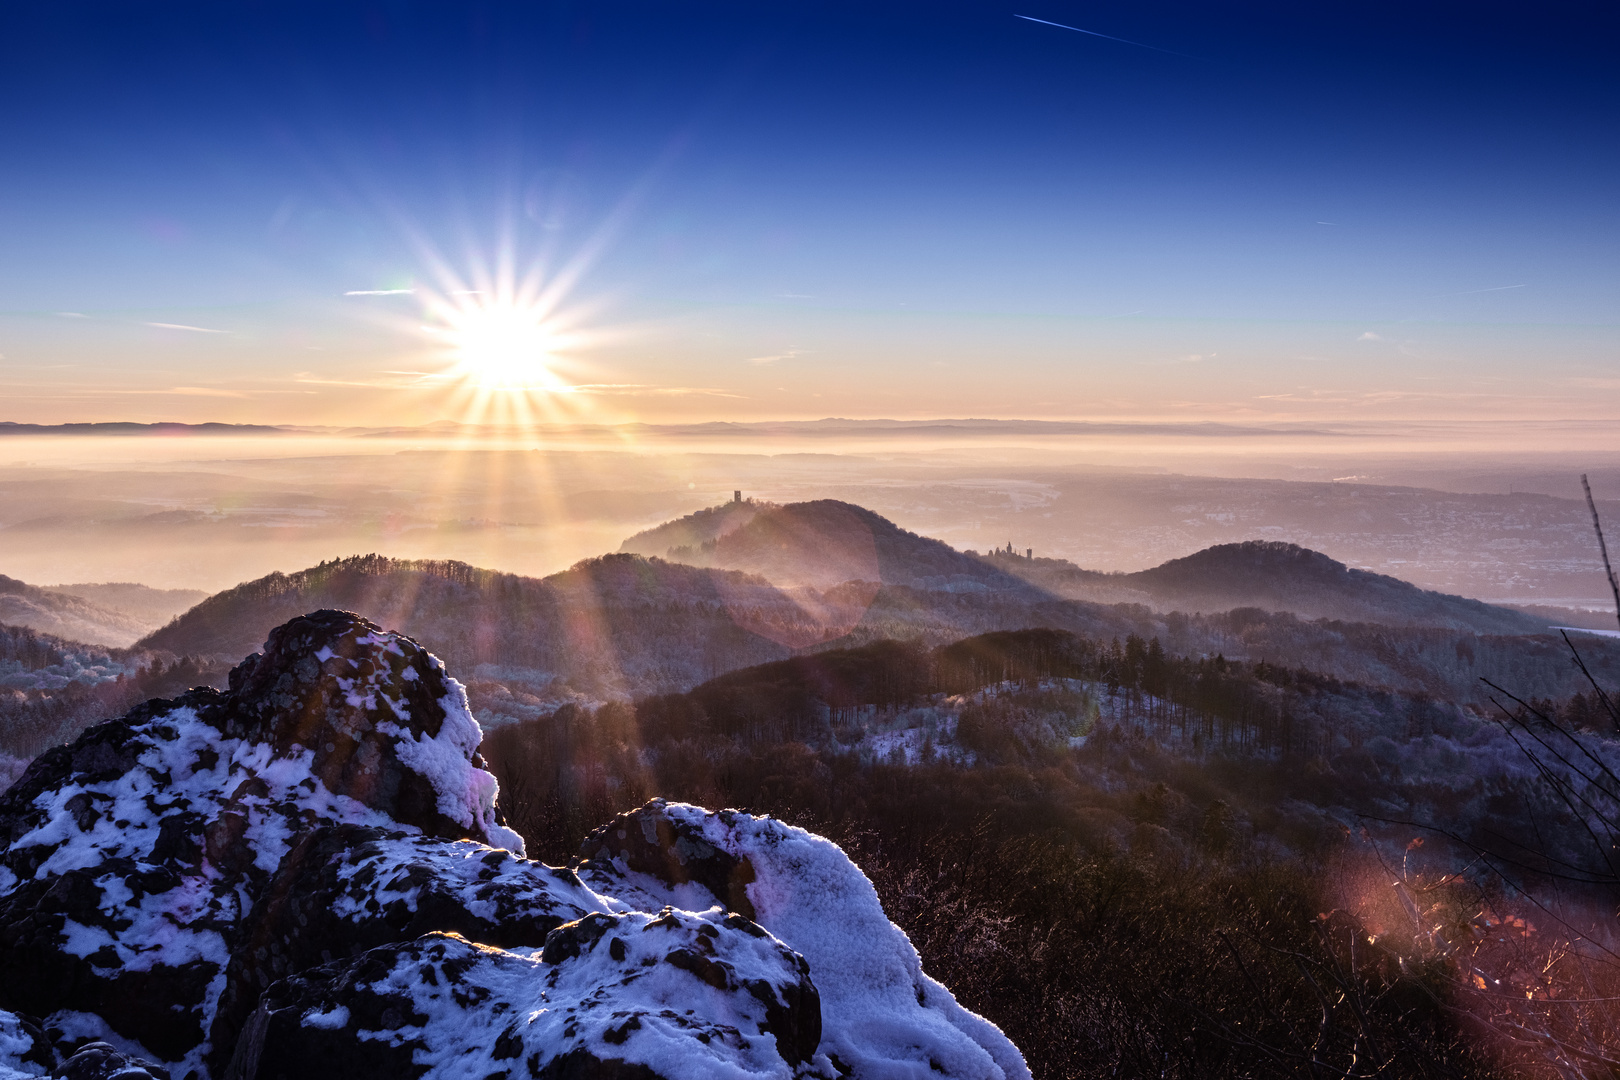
(466, 793)
(882, 1015)
(19, 1049)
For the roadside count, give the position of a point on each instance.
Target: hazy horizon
(1446, 509)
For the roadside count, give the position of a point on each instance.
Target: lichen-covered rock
(677, 995)
(134, 854)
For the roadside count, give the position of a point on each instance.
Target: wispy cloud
(1343, 397)
(183, 326)
(380, 292)
(778, 357)
(1384, 397)
(639, 389)
(184, 391)
(1368, 335)
(380, 380)
(71, 315)
(424, 380)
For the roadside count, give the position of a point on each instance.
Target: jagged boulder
(881, 1015)
(677, 995)
(344, 889)
(307, 876)
(134, 855)
(102, 1061)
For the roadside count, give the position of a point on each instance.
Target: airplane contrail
(1093, 33)
(1474, 292)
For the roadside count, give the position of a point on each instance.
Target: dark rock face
(307, 877)
(336, 685)
(99, 1061)
(134, 855)
(671, 850)
(345, 889)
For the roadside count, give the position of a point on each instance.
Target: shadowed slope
(825, 542)
(623, 625)
(1273, 576)
(694, 530)
(605, 624)
(153, 607)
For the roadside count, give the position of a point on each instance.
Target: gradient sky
(1255, 211)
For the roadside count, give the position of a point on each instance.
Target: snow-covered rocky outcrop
(308, 876)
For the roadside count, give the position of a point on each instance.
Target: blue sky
(1255, 211)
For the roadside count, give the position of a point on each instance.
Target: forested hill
(624, 625)
(1094, 830)
(825, 542)
(818, 575)
(153, 607)
(1272, 576)
(819, 543)
(612, 625)
(66, 616)
(694, 530)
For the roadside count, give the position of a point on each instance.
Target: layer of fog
(1433, 507)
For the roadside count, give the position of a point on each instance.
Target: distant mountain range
(819, 543)
(608, 626)
(127, 427)
(1272, 576)
(748, 583)
(152, 607)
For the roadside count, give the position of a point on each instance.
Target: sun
(502, 345)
